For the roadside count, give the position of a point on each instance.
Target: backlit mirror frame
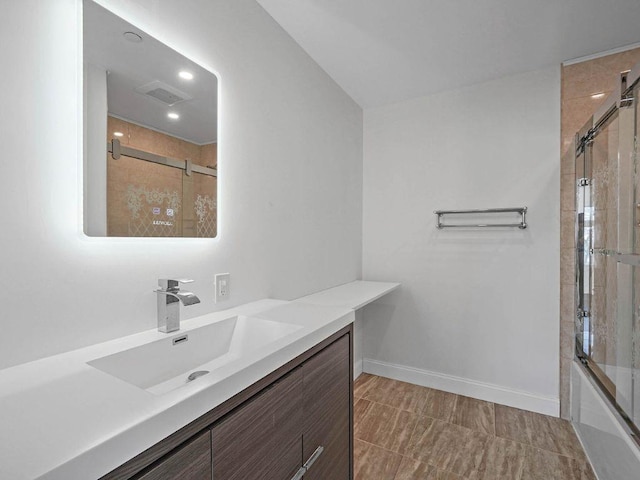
(160, 174)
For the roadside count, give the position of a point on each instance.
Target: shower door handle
(632, 259)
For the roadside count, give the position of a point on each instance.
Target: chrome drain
(197, 374)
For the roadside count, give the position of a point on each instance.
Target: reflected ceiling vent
(163, 93)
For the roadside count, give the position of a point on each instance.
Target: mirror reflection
(150, 142)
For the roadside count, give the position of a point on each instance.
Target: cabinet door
(190, 462)
(262, 439)
(327, 412)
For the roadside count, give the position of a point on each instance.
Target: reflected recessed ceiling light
(132, 37)
(597, 95)
(118, 134)
(173, 115)
(186, 75)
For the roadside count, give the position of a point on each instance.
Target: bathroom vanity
(276, 401)
(296, 421)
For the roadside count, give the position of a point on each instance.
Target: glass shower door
(601, 154)
(584, 234)
(627, 269)
(632, 142)
(608, 257)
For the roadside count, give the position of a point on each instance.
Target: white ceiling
(385, 51)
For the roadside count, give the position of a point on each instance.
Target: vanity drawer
(190, 462)
(326, 404)
(263, 438)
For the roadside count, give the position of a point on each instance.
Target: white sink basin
(166, 364)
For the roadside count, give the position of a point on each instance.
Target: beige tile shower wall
(579, 82)
(209, 155)
(207, 186)
(150, 176)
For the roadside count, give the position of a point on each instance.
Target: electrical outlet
(223, 287)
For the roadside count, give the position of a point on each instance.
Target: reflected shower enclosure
(150, 195)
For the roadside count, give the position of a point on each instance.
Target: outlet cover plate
(223, 287)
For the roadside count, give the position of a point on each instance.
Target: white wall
(290, 165)
(477, 312)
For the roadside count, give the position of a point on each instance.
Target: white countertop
(61, 419)
(352, 295)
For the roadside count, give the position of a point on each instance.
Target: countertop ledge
(352, 295)
(63, 419)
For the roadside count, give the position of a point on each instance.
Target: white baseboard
(357, 369)
(464, 386)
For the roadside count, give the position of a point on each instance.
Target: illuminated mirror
(150, 135)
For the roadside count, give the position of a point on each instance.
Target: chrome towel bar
(520, 210)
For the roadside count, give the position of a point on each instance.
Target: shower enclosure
(608, 248)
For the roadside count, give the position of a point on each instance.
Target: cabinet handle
(307, 465)
(314, 456)
(299, 474)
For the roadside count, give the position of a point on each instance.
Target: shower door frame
(585, 249)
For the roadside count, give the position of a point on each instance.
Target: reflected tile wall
(192, 189)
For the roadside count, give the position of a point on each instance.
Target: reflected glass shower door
(147, 199)
(144, 199)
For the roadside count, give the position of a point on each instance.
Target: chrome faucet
(169, 298)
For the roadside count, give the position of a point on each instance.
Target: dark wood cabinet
(273, 430)
(326, 409)
(263, 436)
(190, 462)
(277, 432)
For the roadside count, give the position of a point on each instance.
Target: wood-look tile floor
(406, 432)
